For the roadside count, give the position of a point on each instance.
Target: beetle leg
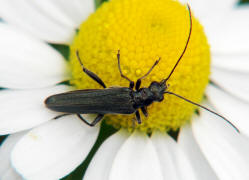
(90, 73)
(138, 82)
(144, 110)
(96, 120)
(122, 75)
(138, 117)
(61, 115)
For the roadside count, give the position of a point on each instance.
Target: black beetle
(117, 100)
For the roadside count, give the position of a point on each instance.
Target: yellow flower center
(143, 31)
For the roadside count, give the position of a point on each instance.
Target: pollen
(144, 31)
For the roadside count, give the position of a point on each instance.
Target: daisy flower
(176, 141)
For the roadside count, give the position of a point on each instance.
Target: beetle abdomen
(101, 101)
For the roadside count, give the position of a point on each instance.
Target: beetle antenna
(203, 107)
(78, 57)
(184, 50)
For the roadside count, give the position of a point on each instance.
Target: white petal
(234, 82)
(235, 62)
(167, 151)
(54, 149)
(70, 13)
(188, 144)
(103, 159)
(11, 175)
(225, 24)
(185, 167)
(232, 108)
(53, 21)
(27, 62)
(24, 109)
(231, 35)
(6, 171)
(136, 160)
(206, 11)
(174, 162)
(202, 5)
(225, 149)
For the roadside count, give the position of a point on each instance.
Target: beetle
(117, 100)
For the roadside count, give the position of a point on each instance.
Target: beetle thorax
(146, 96)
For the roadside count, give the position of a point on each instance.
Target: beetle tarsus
(138, 117)
(144, 110)
(61, 115)
(96, 120)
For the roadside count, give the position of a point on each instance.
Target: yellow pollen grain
(143, 31)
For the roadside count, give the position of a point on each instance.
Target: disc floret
(144, 31)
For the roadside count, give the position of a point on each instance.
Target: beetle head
(158, 89)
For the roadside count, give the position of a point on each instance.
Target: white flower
(30, 68)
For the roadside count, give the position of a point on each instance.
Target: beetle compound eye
(144, 31)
